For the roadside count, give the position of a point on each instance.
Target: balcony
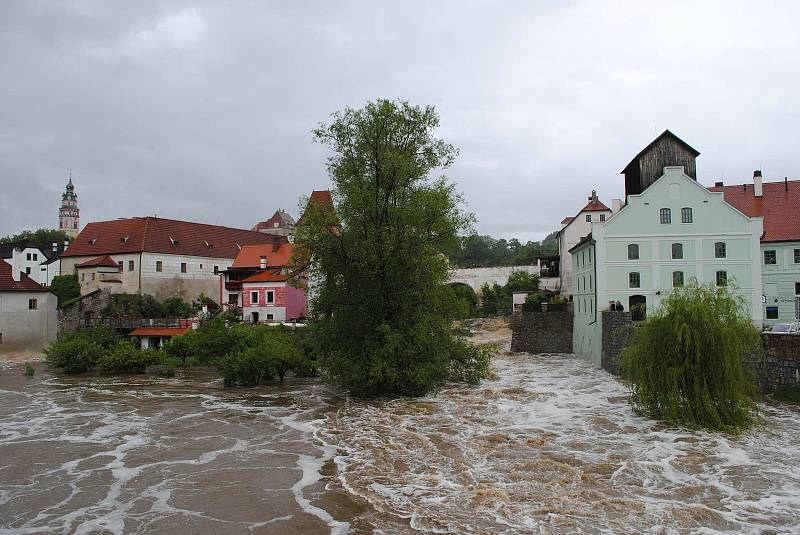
(233, 286)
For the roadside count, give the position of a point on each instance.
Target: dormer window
(173, 241)
(124, 239)
(207, 244)
(92, 241)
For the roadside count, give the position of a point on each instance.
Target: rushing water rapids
(546, 444)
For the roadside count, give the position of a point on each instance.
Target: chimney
(718, 184)
(263, 262)
(616, 205)
(66, 244)
(16, 275)
(593, 198)
(786, 183)
(759, 187)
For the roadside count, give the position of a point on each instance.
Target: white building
(573, 230)
(28, 317)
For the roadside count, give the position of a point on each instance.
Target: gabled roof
(160, 331)
(780, 207)
(100, 261)
(165, 236)
(665, 133)
(250, 256)
(268, 275)
(318, 197)
(583, 240)
(567, 220)
(599, 207)
(25, 283)
(279, 219)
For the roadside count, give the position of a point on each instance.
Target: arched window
(666, 216)
(686, 215)
(633, 251)
(677, 251)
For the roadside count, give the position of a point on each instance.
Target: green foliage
(535, 299)
(557, 300)
(269, 351)
(495, 301)
(175, 307)
(686, 363)
(66, 288)
(469, 363)
(182, 347)
(132, 305)
(42, 239)
(382, 312)
(28, 371)
(521, 281)
(213, 340)
(74, 355)
(127, 358)
(484, 251)
(788, 394)
(466, 299)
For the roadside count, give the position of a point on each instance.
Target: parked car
(786, 328)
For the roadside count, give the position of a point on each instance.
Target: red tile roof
(100, 261)
(166, 236)
(250, 256)
(280, 217)
(318, 197)
(567, 220)
(779, 208)
(599, 207)
(25, 284)
(160, 331)
(268, 275)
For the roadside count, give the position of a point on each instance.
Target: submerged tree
(686, 364)
(380, 306)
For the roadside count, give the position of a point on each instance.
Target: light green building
(670, 230)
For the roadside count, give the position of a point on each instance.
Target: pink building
(258, 283)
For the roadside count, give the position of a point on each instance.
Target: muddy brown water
(546, 445)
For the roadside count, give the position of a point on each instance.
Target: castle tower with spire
(69, 214)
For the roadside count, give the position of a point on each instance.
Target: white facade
(569, 236)
(28, 321)
(28, 260)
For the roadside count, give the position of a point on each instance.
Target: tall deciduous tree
(381, 310)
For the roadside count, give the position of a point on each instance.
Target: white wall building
(28, 317)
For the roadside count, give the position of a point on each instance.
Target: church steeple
(69, 214)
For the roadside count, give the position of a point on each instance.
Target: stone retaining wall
(70, 316)
(538, 331)
(781, 363)
(617, 328)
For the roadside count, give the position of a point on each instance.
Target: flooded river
(546, 444)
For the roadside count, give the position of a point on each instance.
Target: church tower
(69, 214)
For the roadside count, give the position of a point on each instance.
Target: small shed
(156, 337)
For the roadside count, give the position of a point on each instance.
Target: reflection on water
(547, 445)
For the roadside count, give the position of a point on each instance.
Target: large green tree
(42, 238)
(66, 288)
(381, 309)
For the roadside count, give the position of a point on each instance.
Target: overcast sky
(204, 111)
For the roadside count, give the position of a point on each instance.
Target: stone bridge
(477, 277)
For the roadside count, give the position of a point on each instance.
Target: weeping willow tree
(686, 364)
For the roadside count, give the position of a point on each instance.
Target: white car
(786, 328)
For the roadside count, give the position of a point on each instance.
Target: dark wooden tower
(648, 166)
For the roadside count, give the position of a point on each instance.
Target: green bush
(271, 351)
(66, 288)
(127, 358)
(686, 363)
(182, 347)
(788, 394)
(469, 363)
(466, 300)
(105, 337)
(76, 354)
(558, 300)
(247, 368)
(535, 299)
(28, 371)
(175, 307)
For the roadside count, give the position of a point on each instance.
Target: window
(797, 256)
(35, 256)
(216, 270)
(772, 313)
(93, 276)
(27, 270)
(270, 316)
(83, 276)
(722, 278)
(797, 288)
(253, 298)
(720, 250)
(590, 257)
(29, 256)
(634, 280)
(270, 297)
(201, 266)
(159, 265)
(183, 267)
(686, 215)
(666, 216)
(33, 304)
(120, 266)
(602, 217)
(677, 279)
(677, 251)
(588, 218)
(130, 265)
(770, 258)
(633, 251)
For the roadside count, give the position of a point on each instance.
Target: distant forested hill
(476, 251)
